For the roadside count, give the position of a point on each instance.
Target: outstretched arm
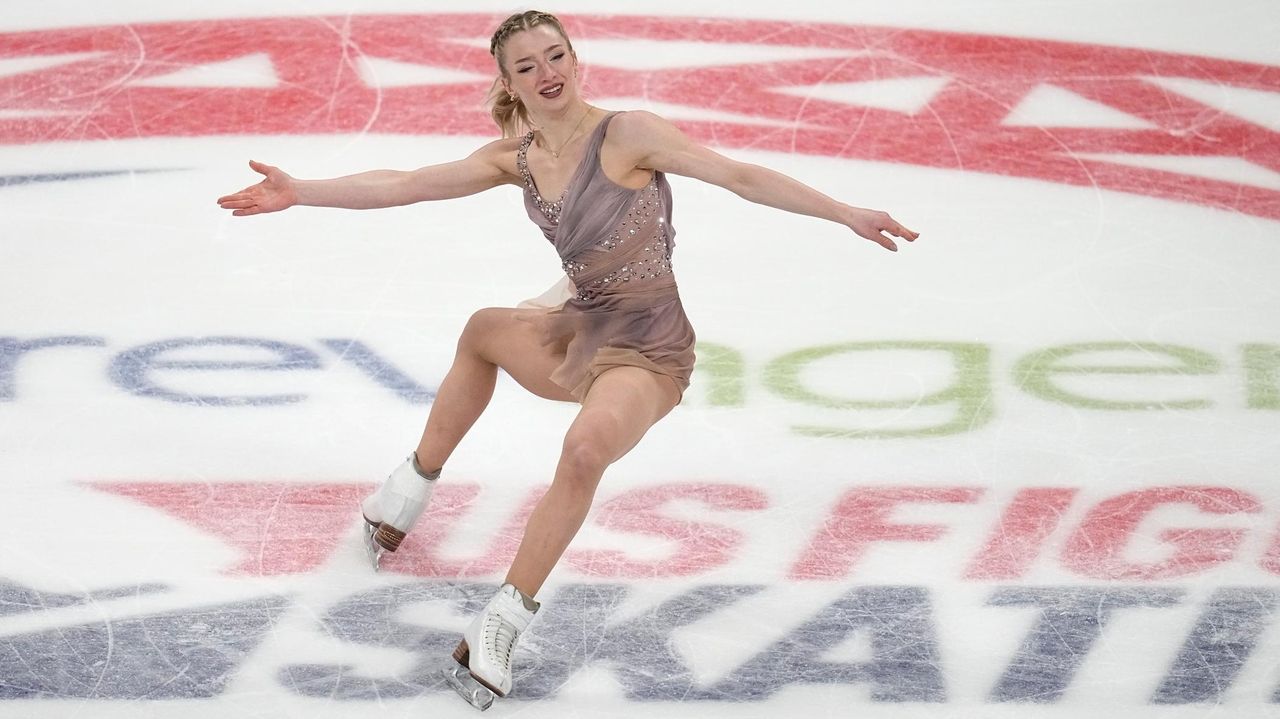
(658, 145)
(478, 172)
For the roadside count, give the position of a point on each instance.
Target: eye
(524, 69)
(557, 56)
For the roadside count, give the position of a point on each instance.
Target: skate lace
(503, 637)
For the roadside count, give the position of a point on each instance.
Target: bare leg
(493, 338)
(622, 405)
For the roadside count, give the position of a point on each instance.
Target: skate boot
(483, 657)
(391, 512)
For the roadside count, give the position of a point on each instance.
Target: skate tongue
(428, 476)
(530, 605)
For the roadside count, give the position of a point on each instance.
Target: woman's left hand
(872, 224)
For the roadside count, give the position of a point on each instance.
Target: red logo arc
(1151, 132)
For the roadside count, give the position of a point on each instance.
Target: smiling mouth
(553, 91)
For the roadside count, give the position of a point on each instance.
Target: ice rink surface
(1025, 467)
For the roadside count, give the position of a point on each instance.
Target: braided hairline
(518, 22)
(505, 108)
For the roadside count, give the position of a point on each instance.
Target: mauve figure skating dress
(615, 245)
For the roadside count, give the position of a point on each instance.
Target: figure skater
(616, 341)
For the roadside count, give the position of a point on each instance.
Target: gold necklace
(556, 152)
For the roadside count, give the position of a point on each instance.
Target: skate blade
(476, 694)
(372, 549)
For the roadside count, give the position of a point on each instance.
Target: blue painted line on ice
(8, 180)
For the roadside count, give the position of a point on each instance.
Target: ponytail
(507, 112)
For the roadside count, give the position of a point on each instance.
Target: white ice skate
(483, 657)
(391, 512)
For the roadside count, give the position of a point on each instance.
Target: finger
(237, 204)
(232, 198)
(244, 212)
(885, 242)
(260, 168)
(903, 232)
(896, 229)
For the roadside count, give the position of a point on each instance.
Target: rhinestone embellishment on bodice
(551, 210)
(656, 263)
(655, 258)
(649, 261)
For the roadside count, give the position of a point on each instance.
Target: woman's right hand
(276, 192)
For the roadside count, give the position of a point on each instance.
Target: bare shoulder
(499, 146)
(500, 155)
(647, 141)
(640, 127)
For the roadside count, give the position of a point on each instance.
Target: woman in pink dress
(617, 341)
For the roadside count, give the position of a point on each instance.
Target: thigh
(621, 406)
(515, 344)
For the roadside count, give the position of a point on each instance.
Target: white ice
(1007, 268)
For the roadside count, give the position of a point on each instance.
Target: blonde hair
(507, 111)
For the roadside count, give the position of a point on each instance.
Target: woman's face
(540, 69)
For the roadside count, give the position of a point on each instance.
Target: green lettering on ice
(969, 390)
(1035, 372)
(1262, 376)
(725, 374)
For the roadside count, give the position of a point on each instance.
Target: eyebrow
(530, 58)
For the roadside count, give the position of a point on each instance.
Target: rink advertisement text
(196, 652)
(970, 116)
(856, 390)
(687, 529)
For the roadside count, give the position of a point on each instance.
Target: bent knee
(482, 326)
(485, 320)
(584, 458)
